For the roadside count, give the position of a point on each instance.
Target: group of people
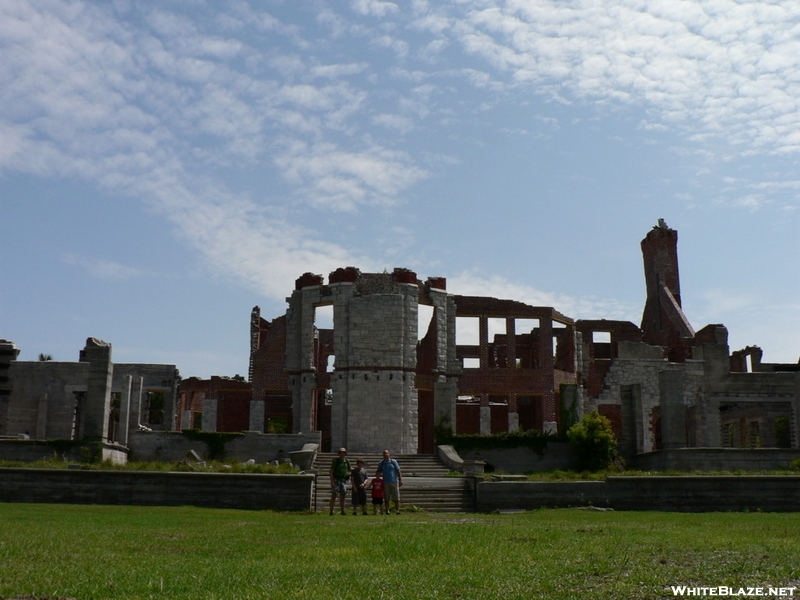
(384, 486)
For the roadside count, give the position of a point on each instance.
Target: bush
(530, 438)
(594, 442)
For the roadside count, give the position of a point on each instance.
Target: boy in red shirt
(376, 485)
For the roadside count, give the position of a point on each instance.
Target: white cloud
(375, 8)
(103, 269)
(722, 66)
(149, 110)
(341, 180)
(397, 122)
(476, 283)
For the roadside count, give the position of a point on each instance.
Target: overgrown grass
(104, 552)
(215, 466)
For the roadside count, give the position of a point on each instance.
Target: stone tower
(374, 398)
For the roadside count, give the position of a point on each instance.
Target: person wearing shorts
(340, 473)
(358, 479)
(392, 480)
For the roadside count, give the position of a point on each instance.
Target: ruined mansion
(389, 373)
(372, 360)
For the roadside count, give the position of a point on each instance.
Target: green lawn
(113, 552)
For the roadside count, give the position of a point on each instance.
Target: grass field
(124, 552)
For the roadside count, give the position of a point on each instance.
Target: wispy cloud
(477, 283)
(153, 106)
(725, 67)
(100, 268)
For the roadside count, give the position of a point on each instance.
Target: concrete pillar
(8, 353)
(513, 420)
(137, 383)
(445, 389)
(125, 410)
(673, 409)
(257, 408)
(486, 416)
(209, 414)
(41, 417)
(98, 389)
(300, 344)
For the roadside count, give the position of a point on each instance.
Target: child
(376, 485)
(358, 477)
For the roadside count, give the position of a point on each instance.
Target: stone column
(300, 349)
(445, 389)
(137, 383)
(8, 353)
(98, 389)
(342, 378)
(485, 415)
(257, 408)
(209, 414)
(41, 417)
(125, 410)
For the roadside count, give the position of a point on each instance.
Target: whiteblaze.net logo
(733, 592)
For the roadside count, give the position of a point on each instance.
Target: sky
(166, 166)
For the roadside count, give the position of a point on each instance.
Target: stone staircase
(426, 484)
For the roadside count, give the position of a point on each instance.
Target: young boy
(358, 477)
(376, 486)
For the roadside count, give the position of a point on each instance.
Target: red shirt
(377, 488)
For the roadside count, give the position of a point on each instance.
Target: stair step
(425, 482)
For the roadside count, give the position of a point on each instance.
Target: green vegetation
(214, 440)
(214, 466)
(594, 442)
(530, 438)
(105, 552)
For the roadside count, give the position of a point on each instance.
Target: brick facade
(662, 384)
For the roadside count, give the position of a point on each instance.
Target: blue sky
(165, 166)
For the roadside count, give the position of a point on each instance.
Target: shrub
(594, 442)
(530, 438)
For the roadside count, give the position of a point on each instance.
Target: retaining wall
(556, 455)
(715, 459)
(702, 493)
(148, 488)
(173, 445)
(528, 495)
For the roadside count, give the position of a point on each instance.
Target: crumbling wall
(45, 397)
(644, 374)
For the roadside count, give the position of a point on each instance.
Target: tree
(45, 357)
(594, 441)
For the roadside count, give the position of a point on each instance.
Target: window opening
(467, 331)
(424, 317)
(156, 402)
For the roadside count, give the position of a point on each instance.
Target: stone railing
(451, 459)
